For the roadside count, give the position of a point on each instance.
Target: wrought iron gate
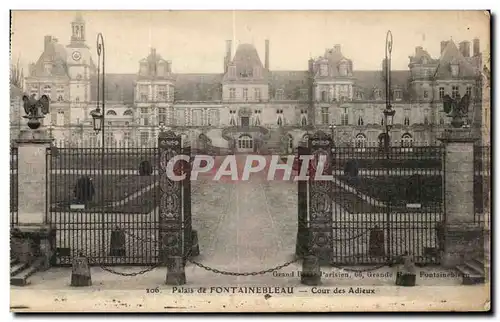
(379, 204)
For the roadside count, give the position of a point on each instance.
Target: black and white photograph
(249, 161)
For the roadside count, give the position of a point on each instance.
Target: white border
(184, 4)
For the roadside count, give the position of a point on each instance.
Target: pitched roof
(245, 60)
(292, 82)
(451, 55)
(198, 87)
(367, 82)
(54, 53)
(118, 87)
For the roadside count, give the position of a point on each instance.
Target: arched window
(245, 142)
(303, 120)
(360, 142)
(360, 121)
(110, 112)
(407, 121)
(280, 120)
(407, 142)
(324, 96)
(128, 113)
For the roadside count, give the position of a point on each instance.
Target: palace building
(248, 107)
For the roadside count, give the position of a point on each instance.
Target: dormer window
(323, 69)
(343, 69)
(378, 94)
(454, 70)
(359, 95)
(144, 69)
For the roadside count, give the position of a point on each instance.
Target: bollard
(117, 243)
(376, 243)
(80, 273)
(311, 273)
(195, 248)
(176, 274)
(406, 275)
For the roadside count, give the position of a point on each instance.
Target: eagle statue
(35, 109)
(457, 108)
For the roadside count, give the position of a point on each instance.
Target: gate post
(190, 247)
(301, 243)
(170, 221)
(320, 201)
(462, 238)
(32, 237)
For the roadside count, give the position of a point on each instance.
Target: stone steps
(20, 272)
(473, 271)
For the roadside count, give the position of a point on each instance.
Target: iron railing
(482, 185)
(93, 194)
(386, 203)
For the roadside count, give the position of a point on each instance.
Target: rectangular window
(426, 94)
(304, 94)
(232, 94)
(441, 93)
(161, 93)
(213, 117)
(245, 94)
(143, 93)
(180, 117)
(196, 117)
(47, 90)
(454, 91)
(60, 118)
(469, 91)
(144, 138)
(344, 119)
(325, 115)
(60, 93)
(397, 95)
(162, 115)
(256, 92)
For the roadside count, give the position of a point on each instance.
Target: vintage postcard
(250, 161)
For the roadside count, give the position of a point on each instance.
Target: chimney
(153, 52)
(444, 43)
(336, 48)
(227, 58)
(475, 45)
(418, 49)
(228, 50)
(169, 66)
(46, 43)
(464, 48)
(266, 63)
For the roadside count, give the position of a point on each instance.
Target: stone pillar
(462, 237)
(32, 237)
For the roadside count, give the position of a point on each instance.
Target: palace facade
(247, 106)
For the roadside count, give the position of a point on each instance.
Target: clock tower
(79, 62)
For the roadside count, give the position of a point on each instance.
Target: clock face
(76, 55)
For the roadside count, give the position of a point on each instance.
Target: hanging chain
(266, 271)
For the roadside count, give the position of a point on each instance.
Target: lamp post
(388, 121)
(98, 122)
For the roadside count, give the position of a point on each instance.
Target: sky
(195, 40)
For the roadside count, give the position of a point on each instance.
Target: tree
(16, 74)
(84, 190)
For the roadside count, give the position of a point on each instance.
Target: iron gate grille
(482, 185)
(384, 203)
(126, 197)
